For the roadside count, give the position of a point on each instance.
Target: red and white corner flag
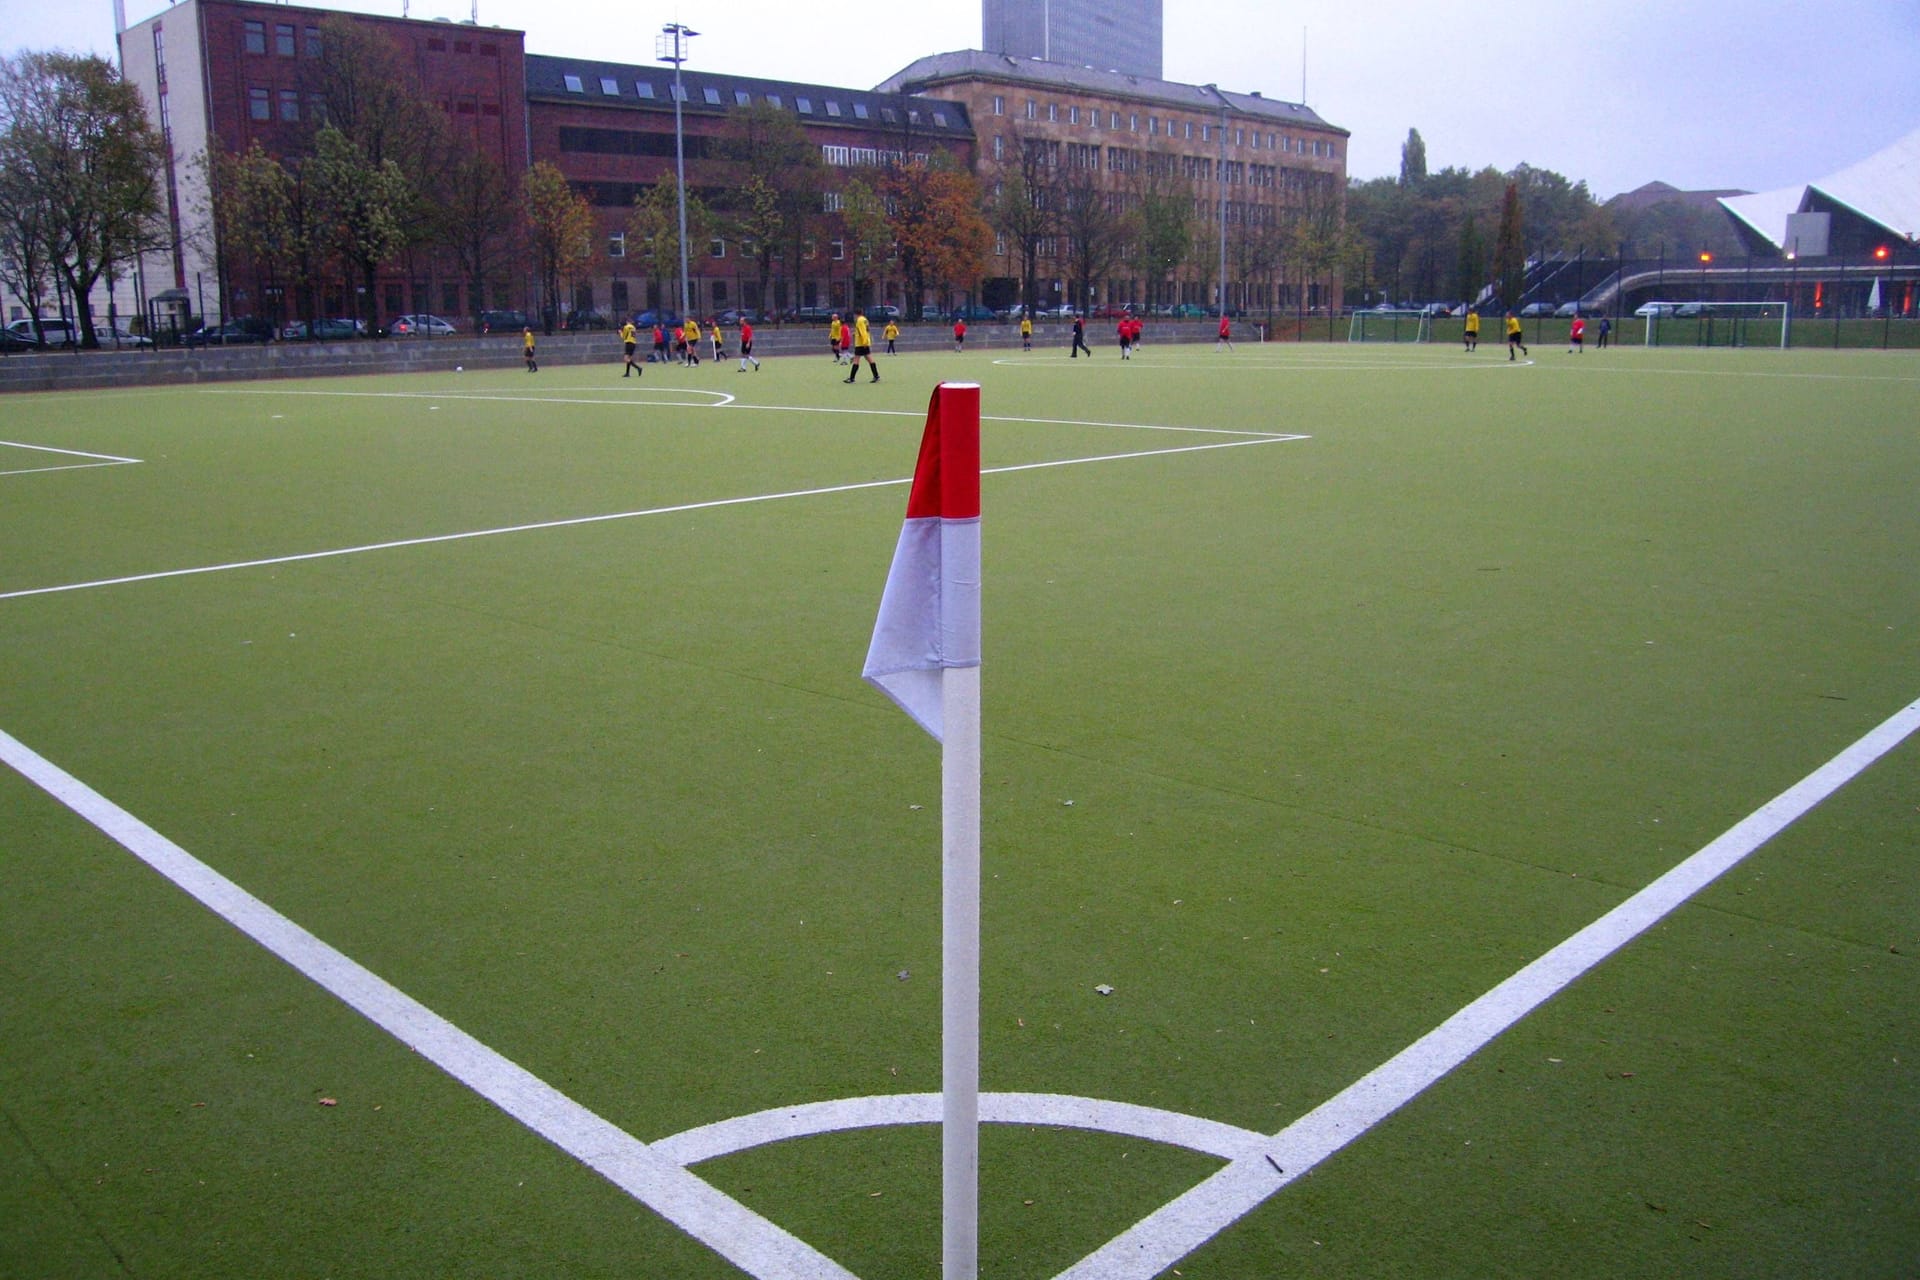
(930, 611)
(926, 657)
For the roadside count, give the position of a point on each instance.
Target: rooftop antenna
(1303, 66)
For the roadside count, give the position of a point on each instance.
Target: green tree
(481, 220)
(653, 231)
(1413, 160)
(1022, 209)
(1509, 249)
(866, 233)
(82, 167)
(1163, 224)
(267, 214)
(364, 204)
(560, 232)
(1094, 233)
(1470, 264)
(775, 178)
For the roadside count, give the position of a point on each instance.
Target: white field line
(1170, 1233)
(100, 459)
(71, 453)
(708, 1215)
(725, 401)
(600, 519)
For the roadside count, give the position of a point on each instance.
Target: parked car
(1648, 310)
(588, 320)
(53, 333)
(734, 315)
(323, 330)
(974, 314)
(1439, 309)
(1189, 311)
(1567, 309)
(1056, 313)
(883, 312)
(108, 336)
(244, 329)
(514, 322)
(1536, 309)
(660, 316)
(1687, 310)
(420, 326)
(13, 340)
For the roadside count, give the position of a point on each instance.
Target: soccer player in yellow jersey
(862, 346)
(1513, 336)
(836, 335)
(1026, 331)
(630, 339)
(690, 334)
(891, 332)
(1471, 333)
(526, 340)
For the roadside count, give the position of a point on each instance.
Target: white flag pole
(960, 973)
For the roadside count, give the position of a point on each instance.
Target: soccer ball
(459, 368)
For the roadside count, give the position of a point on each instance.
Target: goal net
(1390, 326)
(1717, 324)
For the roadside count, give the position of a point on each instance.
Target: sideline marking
(721, 398)
(1185, 1223)
(617, 515)
(704, 1212)
(101, 459)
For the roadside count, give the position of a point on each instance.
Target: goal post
(1390, 326)
(1718, 324)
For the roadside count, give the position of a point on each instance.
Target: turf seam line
(695, 1206)
(572, 521)
(1178, 1228)
(71, 453)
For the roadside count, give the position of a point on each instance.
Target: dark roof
(1652, 193)
(825, 104)
(968, 64)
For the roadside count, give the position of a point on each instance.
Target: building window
(712, 96)
(283, 39)
(610, 86)
(574, 84)
(289, 104)
(999, 105)
(317, 109)
(999, 147)
(939, 119)
(773, 100)
(833, 109)
(1133, 122)
(859, 111)
(643, 88)
(313, 42)
(1053, 113)
(1073, 115)
(718, 249)
(678, 92)
(1189, 130)
(889, 115)
(259, 105)
(741, 98)
(839, 250)
(256, 37)
(1033, 109)
(617, 245)
(803, 105)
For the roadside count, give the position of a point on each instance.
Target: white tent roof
(1883, 188)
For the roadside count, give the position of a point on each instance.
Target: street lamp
(671, 46)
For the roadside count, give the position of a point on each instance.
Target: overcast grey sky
(1700, 93)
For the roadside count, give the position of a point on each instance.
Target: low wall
(75, 370)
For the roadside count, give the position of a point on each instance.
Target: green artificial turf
(1298, 746)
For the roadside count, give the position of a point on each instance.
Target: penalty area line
(573, 521)
(704, 1212)
(1176, 1229)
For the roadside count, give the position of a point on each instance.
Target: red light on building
(1881, 253)
(1705, 256)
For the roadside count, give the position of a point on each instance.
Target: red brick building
(609, 128)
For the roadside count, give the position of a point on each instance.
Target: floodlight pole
(1221, 176)
(672, 47)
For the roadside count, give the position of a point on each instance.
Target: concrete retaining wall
(73, 370)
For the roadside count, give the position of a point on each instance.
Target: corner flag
(930, 611)
(926, 657)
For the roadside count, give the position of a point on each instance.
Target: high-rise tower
(1110, 35)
